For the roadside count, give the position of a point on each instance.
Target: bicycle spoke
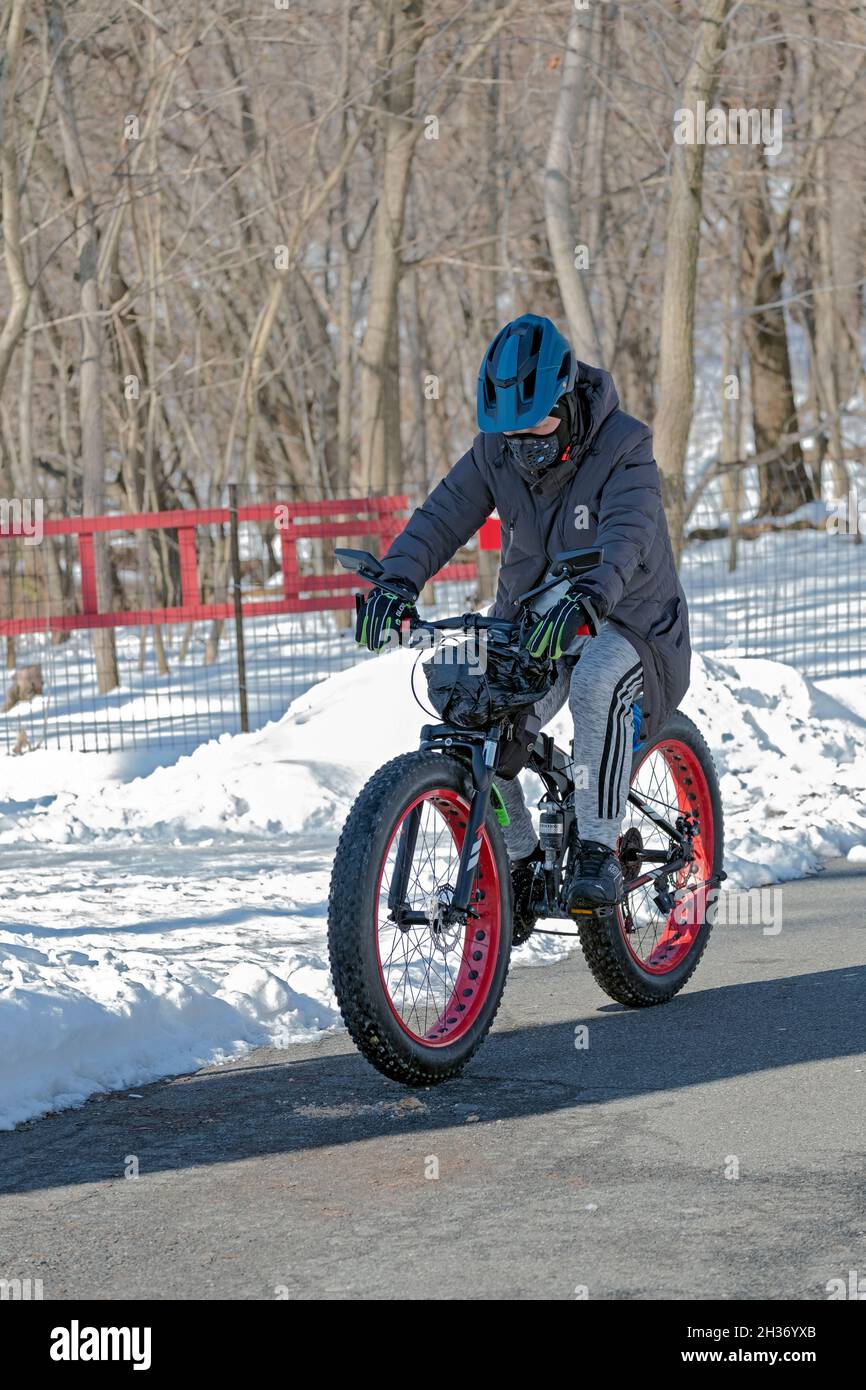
(651, 932)
(425, 968)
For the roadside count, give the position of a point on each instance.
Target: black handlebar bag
(476, 685)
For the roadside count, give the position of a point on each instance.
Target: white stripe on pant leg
(627, 703)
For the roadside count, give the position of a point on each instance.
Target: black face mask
(533, 453)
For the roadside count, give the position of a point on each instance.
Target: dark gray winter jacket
(607, 494)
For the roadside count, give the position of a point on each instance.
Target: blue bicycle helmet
(525, 370)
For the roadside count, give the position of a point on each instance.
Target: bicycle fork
(483, 754)
(483, 762)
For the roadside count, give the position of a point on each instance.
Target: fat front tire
(418, 1000)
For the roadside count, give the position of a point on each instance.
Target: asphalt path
(711, 1148)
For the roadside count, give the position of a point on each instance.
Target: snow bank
(294, 777)
(791, 756)
(157, 923)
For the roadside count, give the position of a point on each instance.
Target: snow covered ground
(154, 922)
(285, 655)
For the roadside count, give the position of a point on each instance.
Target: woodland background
(267, 243)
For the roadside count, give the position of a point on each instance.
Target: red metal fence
(796, 593)
(237, 610)
(329, 519)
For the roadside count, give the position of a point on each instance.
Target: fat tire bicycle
(420, 930)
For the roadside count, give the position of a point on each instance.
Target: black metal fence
(178, 683)
(788, 587)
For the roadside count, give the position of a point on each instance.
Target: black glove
(379, 614)
(557, 628)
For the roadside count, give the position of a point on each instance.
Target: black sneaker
(523, 876)
(597, 881)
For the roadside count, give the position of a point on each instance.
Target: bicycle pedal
(599, 910)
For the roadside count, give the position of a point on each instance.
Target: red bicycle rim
(436, 981)
(679, 786)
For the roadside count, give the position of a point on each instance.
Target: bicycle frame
(481, 750)
(553, 766)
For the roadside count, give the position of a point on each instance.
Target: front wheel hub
(446, 931)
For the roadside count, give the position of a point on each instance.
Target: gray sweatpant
(601, 690)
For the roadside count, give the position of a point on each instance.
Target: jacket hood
(597, 504)
(597, 398)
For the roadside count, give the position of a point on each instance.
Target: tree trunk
(558, 193)
(91, 384)
(345, 314)
(732, 397)
(783, 484)
(828, 321)
(676, 353)
(400, 39)
(19, 288)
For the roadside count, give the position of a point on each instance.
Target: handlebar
(468, 622)
(566, 565)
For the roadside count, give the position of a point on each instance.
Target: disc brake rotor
(445, 937)
(631, 852)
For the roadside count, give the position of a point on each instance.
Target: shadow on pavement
(331, 1097)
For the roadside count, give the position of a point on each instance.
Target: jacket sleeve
(436, 530)
(627, 524)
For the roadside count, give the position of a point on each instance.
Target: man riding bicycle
(563, 466)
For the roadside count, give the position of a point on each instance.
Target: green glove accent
(556, 630)
(380, 613)
(499, 805)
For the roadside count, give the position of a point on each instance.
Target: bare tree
(676, 376)
(559, 192)
(12, 25)
(401, 35)
(90, 395)
(784, 483)
(303, 131)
